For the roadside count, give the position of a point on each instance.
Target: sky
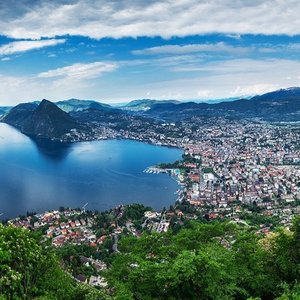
(119, 50)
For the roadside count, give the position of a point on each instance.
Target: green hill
(217, 260)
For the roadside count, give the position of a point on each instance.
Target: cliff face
(45, 120)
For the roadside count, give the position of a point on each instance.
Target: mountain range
(144, 104)
(277, 106)
(73, 118)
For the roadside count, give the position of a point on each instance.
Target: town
(241, 171)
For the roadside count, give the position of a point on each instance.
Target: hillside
(45, 120)
(145, 104)
(203, 261)
(73, 105)
(31, 270)
(19, 114)
(281, 105)
(4, 110)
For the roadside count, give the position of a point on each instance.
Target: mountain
(45, 120)
(19, 114)
(4, 110)
(145, 104)
(72, 105)
(219, 100)
(282, 94)
(116, 119)
(281, 105)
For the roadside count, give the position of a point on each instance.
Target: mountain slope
(19, 114)
(281, 105)
(145, 104)
(72, 105)
(4, 110)
(45, 121)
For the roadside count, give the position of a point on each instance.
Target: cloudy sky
(119, 50)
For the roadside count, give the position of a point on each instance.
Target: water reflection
(51, 149)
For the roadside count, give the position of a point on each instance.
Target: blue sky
(116, 51)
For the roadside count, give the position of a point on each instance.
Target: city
(149, 150)
(240, 171)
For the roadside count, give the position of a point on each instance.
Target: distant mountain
(218, 100)
(72, 105)
(45, 120)
(281, 105)
(145, 104)
(4, 110)
(97, 115)
(282, 94)
(113, 118)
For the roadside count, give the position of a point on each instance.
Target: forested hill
(281, 105)
(200, 261)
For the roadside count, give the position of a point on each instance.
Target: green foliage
(257, 219)
(175, 165)
(86, 292)
(204, 261)
(208, 261)
(134, 213)
(190, 265)
(290, 293)
(207, 170)
(27, 270)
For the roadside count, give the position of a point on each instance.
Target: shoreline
(92, 139)
(7, 215)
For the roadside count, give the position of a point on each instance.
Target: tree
(27, 270)
(86, 292)
(189, 265)
(253, 265)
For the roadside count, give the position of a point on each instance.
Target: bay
(39, 176)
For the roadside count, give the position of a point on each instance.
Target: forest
(216, 260)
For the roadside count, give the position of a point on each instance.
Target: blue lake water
(38, 176)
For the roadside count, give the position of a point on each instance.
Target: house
(81, 278)
(98, 281)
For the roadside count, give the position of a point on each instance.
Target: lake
(38, 176)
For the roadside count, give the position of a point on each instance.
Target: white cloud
(255, 89)
(192, 48)
(80, 71)
(233, 77)
(23, 46)
(5, 58)
(77, 80)
(203, 94)
(117, 19)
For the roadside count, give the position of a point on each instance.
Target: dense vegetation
(31, 270)
(217, 260)
(209, 261)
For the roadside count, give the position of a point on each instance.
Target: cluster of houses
(253, 164)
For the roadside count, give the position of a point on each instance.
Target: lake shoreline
(105, 173)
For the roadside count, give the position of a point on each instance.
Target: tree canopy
(216, 260)
(209, 261)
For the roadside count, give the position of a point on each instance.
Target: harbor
(174, 173)
(155, 170)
